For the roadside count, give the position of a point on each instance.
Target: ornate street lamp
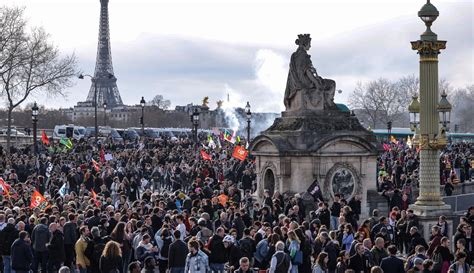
(414, 112)
(389, 130)
(431, 137)
(195, 120)
(248, 113)
(142, 119)
(444, 110)
(34, 117)
(105, 113)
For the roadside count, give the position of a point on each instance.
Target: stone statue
(305, 89)
(205, 101)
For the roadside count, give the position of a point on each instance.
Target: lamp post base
(428, 217)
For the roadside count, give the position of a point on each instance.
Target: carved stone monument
(315, 139)
(305, 90)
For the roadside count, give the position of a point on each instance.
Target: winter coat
(56, 247)
(40, 237)
(110, 264)
(70, 233)
(218, 251)
(7, 236)
(21, 256)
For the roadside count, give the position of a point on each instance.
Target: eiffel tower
(104, 79)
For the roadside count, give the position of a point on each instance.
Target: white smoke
(232, 101)
(266, 94)
(271, 71)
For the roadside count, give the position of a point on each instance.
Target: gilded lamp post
(433, 120)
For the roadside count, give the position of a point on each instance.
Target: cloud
(186, 69)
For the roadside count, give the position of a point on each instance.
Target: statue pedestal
(329, 146)
(428, 216)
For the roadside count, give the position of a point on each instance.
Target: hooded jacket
(40, 237)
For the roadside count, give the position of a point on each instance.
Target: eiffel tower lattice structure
(104, 79)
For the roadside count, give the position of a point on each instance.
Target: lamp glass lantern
(248, 113)
(142, 102)
(414, 111)
(34, 111)
(428, 13)
(195, 117)
(105, 105)
(444, 111)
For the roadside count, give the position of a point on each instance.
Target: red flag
(94, 197)
(205, 155)
(4, 187)
(240, 153)
(102, 155)
(38, 200)
(44, 138)
(96, 165)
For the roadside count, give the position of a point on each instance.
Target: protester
(161, 205)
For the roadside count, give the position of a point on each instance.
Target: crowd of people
(398, 170)
(162, 206)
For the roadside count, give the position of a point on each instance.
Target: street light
(444, 110)
(414, 112)
(34, 117)
(142, 120)
(248, 113)
(105, 113)
(94, 80)
(432, 138)
(195, 120)
(389, 130)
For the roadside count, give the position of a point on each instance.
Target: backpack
(165, 248)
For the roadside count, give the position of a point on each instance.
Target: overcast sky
(186, 50)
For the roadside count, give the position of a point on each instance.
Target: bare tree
(379, 100)
(462, 101)
(160, 102)
(29, 63)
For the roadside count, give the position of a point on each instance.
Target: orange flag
(94, 197)
(96, 165)
(4, 187)
(240, 153)
(205, 155)
(38, 200)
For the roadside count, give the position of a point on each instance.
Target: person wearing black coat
(177, 254)
(331, 249)
(392, 264)
(359, 262)
(70, 238)
(110, 260)
(56, 248)
(218, 257)
(110, 264)
(416, 239)
(8, 235)
(21, 254)
(233, 253)
(324, 215)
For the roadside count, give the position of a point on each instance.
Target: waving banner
(240, 153)
(38, 200)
